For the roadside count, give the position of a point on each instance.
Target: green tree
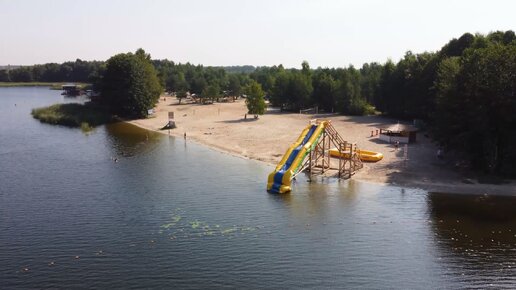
(280, 90)
(130, 85)
(4, 76)
(22, 74)
(234, 85)
(211, 93)
(198, 84)
(255, 102)
(180, 82)
(456, 47)
(488, 84)
(370, 75)
(265, 76)
(305, 69)
(387, 86)
(477, 107)
(324, 92)
(180, 95)
(348, 93)
(299, 91)
(447, 117)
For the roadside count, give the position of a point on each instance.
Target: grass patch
(84, 116)
(86, 128)
(53, 86)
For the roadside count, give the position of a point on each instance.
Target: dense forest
(77, 71)
(465, 92)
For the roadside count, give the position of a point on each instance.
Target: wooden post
(405, 155)
(340, 161)
(310, 167)
(327, 151)
(323, 146)
(351, 161)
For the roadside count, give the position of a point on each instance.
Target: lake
(173, 214)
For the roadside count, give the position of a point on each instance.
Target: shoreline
(224, 128)
(51, 85)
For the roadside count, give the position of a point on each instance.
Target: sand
(223, 126)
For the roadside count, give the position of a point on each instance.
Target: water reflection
(477, 234)
(307, 198)
(129, 140)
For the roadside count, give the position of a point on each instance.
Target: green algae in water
(228, 231)
(195, 224)
(175, 220)
(167, 226)
(199, 228)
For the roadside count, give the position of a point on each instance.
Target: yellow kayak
(364, 155)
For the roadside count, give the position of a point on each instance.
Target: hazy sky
(238, 32)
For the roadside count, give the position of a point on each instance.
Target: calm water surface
(172, 214)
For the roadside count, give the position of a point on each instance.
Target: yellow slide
(279, 180)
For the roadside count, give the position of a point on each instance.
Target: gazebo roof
(397, 128)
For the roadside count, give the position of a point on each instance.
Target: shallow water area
(128, 208)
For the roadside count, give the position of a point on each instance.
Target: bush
(360, 107)
(72, 115)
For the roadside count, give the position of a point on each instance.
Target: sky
(326, 33)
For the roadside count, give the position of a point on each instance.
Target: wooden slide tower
(318, 162)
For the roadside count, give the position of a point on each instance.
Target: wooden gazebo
(398, 132)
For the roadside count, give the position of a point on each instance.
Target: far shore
(224, 127)
(52, 85)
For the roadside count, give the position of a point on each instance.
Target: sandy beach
(223, 126)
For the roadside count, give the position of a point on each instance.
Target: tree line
(464, 92)
(71, 71)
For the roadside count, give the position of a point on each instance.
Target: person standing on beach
(440, 153)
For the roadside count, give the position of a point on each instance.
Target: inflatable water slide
(280, 179)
